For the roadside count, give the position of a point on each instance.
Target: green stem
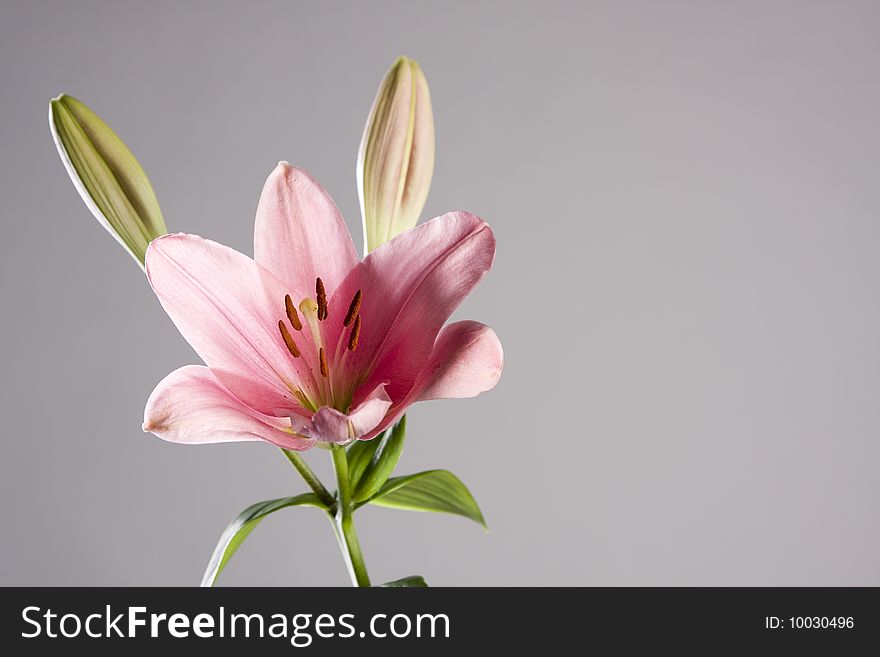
(310, 477)
(345, 532)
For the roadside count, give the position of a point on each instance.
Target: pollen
(321, 298)
(292, 314)
(355, 334)
(353, 309)
(288, 339)
(325, 372)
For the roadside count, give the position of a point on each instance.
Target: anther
(353, 309)
(291, 313)
(321, 297)
(325, 372)
(288, 339)
(355, 334)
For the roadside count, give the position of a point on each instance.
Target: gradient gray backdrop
(686, 197)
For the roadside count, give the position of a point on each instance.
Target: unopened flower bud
(396, 157)
(107, 176)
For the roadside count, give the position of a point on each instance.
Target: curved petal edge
(190, 406)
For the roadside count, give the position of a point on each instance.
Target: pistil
(311, 312)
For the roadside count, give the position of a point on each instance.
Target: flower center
(320, 373)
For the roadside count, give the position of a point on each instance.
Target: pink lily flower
(307, 343)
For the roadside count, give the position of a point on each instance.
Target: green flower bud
(396, 157)
(107, 176)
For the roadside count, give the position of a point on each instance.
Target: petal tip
(286, 173)
(493, 358)
(155, 246)
(151, 423)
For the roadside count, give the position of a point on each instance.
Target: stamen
(325, 372)
(291, 313)
(321, 297)
(355, 334)
(288, 339)
(353, 309)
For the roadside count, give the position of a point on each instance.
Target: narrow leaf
(382, 464)
(437, 491)
(239, 529)
(411, 582)
(359, 454)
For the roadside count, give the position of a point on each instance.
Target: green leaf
(239, 529)
(359, 455)
(411, 582)
(437, 491)
(385, 458)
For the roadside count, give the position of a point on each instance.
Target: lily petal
(467, 359)
(191, 406)
(299, 233)
(411, 285)
(227, 307)
(333, 426)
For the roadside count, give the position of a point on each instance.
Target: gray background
(686, 199)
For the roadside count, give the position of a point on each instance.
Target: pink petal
(410, 287)
(191, 406)
(332, 426)
(227, 308)
(299, 234)
(467, 359)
